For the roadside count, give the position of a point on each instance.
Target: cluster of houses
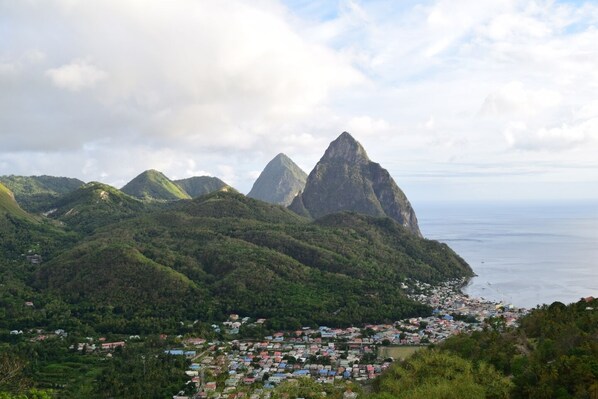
(246, 368)
(251, 368)
(447, 299)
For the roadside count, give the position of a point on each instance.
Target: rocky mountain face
(153, 185)
(280, 181)
(345, 179)
(202, 185)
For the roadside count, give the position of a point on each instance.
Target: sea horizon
(525, 253)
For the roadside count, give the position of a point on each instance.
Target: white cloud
(566, 136)
(7, 69)
(160, 84)
(514, 98)
(366, 125)
(76, 75)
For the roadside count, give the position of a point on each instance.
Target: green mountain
(112, 277)
(94, 205)
(152, 185)
(201, 185)
(9, 208)
(21, 232)
(36, 193)
(280, 181)
(229, 253)
(346, 180)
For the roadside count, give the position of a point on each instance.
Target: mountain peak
(281, 157)
(279, 182)
(153, 185)
(346, 180)
(347, 149)
(197, 186)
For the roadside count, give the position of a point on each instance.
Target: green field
(398, 352)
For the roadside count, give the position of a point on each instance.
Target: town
(253, 367)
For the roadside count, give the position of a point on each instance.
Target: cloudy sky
(457, 99)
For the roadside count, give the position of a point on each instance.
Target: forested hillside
(552, 354)
(239, 255)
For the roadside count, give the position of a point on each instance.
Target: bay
(526, 254)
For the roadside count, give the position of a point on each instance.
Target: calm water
(523, 254)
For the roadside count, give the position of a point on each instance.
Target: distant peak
(346, 136)
(346, 148)
(281, 159)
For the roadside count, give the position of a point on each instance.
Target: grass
(398, 352)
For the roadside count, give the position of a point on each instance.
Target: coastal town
(252, 368)
(239, 367)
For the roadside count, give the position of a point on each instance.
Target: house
(34, 259)
(231, 382)
(113, 345)
(210, 386)
(195, 341)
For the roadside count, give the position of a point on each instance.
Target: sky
(459, 100)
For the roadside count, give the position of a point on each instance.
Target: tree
(436, 374)
(11, 373)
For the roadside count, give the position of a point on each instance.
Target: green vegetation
(36, 193)
(22, 232)
(94, 205)
(226, 253)
(398, 352)
(202, 185)
(152, 185)
(553, 354)
(434, 374)
(30, 394)
(310, 389)
(54, 369)
(141, 373)
(10, 208)
(114, 264)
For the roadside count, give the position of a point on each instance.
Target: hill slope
(201, 185)
(346, 180)
(262, 260)
(21, 232)
(36, 193)
(9, 206)
(280, 181)
(154, 186)
(94, 205)
(119, 277)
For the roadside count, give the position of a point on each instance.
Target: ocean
(525, 254)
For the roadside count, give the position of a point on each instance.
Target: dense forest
(113, 263)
